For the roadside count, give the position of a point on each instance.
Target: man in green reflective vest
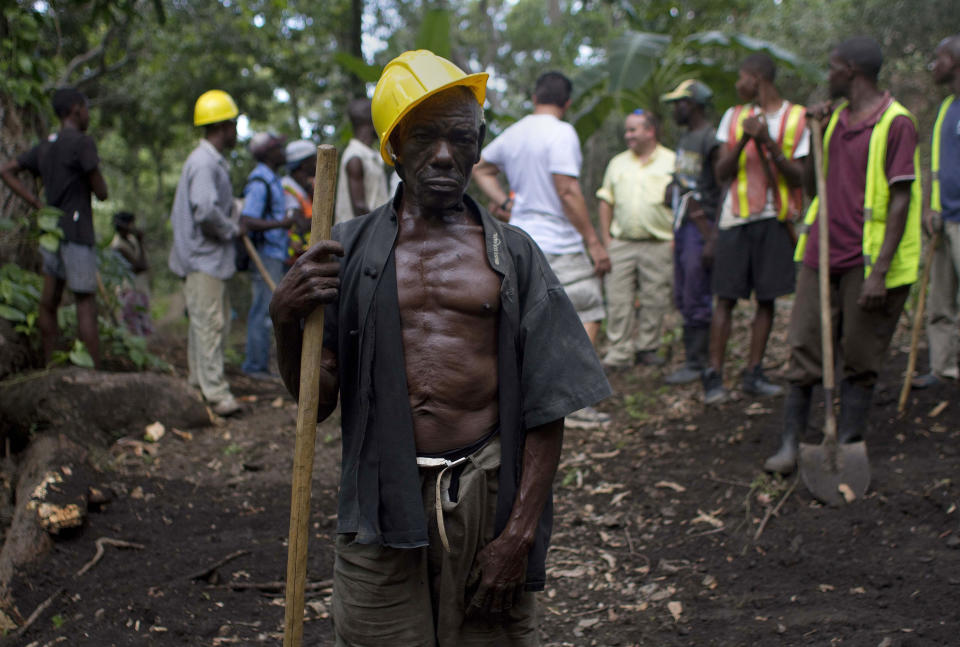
(944, 216)
(874, 202)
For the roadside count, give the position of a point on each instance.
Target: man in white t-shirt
(540, 156)
(362, 181)
(762, 146)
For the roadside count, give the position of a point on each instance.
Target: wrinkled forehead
(455, 106)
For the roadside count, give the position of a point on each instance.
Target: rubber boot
(696, 341)
(854, 408)
(796, 414)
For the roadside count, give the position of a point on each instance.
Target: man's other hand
(502, 565)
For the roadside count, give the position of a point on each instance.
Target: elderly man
(637, 230)
(203, 253)
(456, 354)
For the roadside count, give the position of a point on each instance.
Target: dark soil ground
(667, 531)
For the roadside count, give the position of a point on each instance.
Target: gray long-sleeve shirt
(202, 230)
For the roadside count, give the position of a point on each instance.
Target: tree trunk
(17, 128)
(53, 482)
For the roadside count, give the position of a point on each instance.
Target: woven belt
(432, 463)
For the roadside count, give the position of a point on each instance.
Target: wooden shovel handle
(917, 322)
(252, 252)
(826, 327)
(323, 200)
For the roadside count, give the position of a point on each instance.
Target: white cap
(300, 150)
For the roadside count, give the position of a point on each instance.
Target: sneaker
(754, 382)
(650, 358)
(587, 418)
(683, 375)
(226, 407)
(713, 389)
(928, 380)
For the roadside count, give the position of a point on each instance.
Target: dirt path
(664, 532)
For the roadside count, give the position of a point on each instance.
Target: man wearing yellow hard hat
(455, 354)
(203, 249)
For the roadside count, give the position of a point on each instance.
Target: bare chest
(447, 272)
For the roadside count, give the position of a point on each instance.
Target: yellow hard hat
(409, 79)
(214, 106)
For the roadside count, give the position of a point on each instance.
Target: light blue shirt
(254, 199)
(203, 232)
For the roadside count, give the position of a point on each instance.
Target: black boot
(854, 408)
(696, 341)
(796, 413)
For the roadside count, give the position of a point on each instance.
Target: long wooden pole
(255, 257)
(323, 198)
(826, 327)
(917, 323)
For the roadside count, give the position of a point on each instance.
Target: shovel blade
(830, 472)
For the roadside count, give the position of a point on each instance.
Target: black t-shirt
(694, 170)
(64, 163)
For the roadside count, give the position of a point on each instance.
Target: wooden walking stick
(323, 193)
(252, 251)
(917, 322)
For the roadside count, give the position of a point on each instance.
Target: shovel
(833, 473)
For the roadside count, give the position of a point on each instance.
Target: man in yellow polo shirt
(637, 230)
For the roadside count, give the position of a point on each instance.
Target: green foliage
(22, 75)
(57, 620)
(19, 298)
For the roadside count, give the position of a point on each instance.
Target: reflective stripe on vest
(906, 260)
(935, 155)
(751, 196)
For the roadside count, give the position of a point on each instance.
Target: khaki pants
(942, 313)
(417, 597)
(642, 269)
(864, 335)
(208, 305)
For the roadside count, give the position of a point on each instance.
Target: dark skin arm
(311, 283)
(873, 294)
(503, 562)
(257, 224)
(8, 172)
(138, 262)
(358, 199)
(97, 184)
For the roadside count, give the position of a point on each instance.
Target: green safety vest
(935, 155)
(906, 260)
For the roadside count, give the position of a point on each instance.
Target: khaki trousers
(942, 303)
(208, 306)
(417, 597)
(863, 335)
(642, 270)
